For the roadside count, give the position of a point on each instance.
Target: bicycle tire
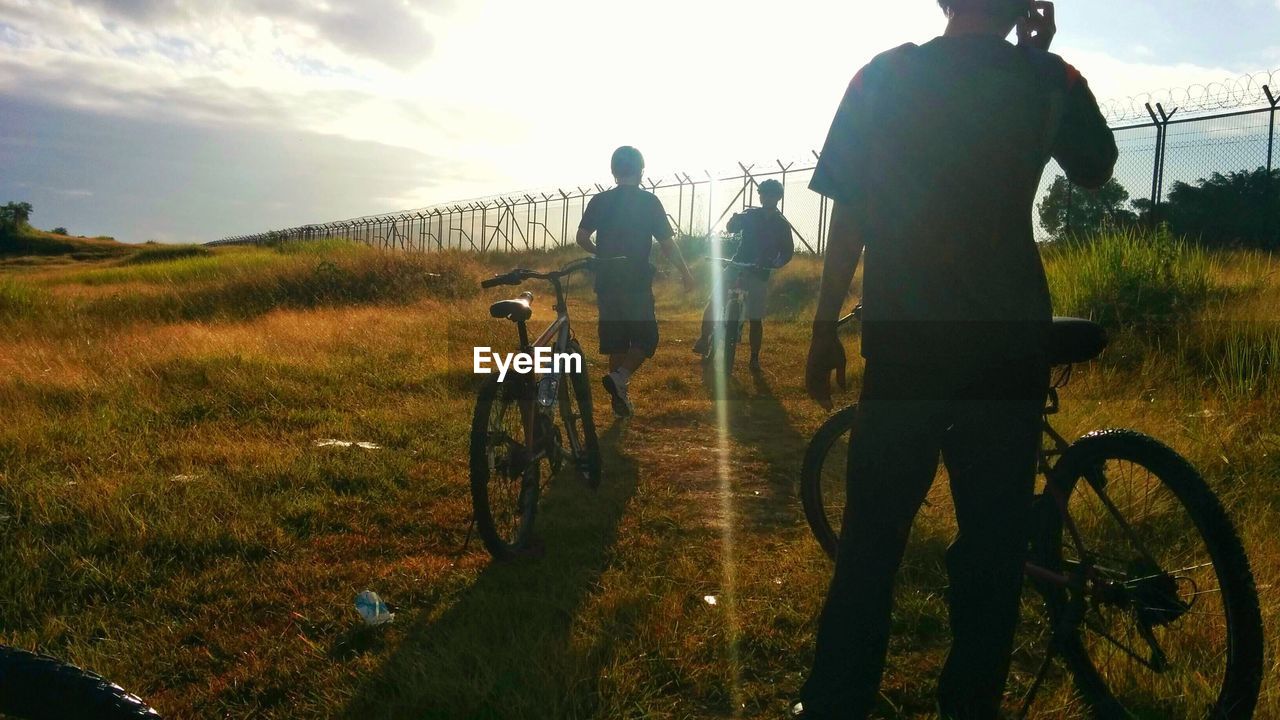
(730, 335)
(484, 471)
(1242, 678)
(586, 447)
(811, 493)
(39, 687)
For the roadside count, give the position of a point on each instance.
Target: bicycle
(1130, 609)
(727, 331)
(514, 429)
(38, 687)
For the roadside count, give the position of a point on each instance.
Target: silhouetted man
(626, 220)
(766, 242)
(933, 161)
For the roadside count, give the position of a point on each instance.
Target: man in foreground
(767, 242)
(933, 161)
(626, 220)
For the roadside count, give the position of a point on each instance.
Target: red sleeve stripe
(856, 83)
(1073, 76)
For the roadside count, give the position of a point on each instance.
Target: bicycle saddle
(1074, 340)
(515, 310)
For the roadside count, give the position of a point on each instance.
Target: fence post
(711, 199)
(1271, 199)
(785, 168)
(748, 182)
(1271, 128)
(1161, 122)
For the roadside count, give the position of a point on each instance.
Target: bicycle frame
(558, 330)
(734, 293)
(1053, 488)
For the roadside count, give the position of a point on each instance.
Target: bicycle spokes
(1152, 618)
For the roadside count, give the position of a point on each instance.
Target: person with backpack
(626, 220)
(933, 162)
(766, 242)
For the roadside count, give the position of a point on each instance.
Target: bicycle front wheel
(823, 478)
(1166, 618)
(38, 687)
(505, 476)
(580, 426)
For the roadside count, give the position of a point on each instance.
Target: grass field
(171, 520)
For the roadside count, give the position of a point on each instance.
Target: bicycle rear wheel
(579, 425)
(823, 478)
(38, 687)
(1167, 623)
(724, 344)
(505, 479)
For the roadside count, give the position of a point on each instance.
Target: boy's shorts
(627, 320)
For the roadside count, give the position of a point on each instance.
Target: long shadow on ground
(505, 648)
(764, 431)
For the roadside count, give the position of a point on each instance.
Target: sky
(185, 121)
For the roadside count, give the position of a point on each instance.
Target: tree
(1069, 210)
(59, 231)
(15, 214)
(1237, 209)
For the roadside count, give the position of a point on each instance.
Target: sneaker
(617, 388)
(701, 346)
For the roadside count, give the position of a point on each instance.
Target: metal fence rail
(1176, 135)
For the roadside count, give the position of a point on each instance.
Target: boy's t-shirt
(766, 237)
(626, 221)
(938, 150)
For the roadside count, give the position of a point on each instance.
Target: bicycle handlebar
(744, 266)
(519, 275)
(855, 315)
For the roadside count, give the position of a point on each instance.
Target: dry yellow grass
(170, 522)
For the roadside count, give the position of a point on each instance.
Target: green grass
(170, 522)
(163, 253)
(17, 298)
(1128, 277)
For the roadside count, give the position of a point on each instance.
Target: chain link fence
(1173, 136)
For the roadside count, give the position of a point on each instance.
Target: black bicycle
(726, 334)
(1146, 588)
(38, 687)
(516, 440)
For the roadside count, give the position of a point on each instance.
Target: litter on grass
(372, 609)
(330, 442)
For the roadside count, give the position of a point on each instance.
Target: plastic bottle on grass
(372, 609)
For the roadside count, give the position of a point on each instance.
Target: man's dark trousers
(985, 423)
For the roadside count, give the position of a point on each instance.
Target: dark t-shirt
(766, 236)
(939, 150)
(626, 221)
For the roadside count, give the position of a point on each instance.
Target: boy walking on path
(626, 220)
(766, 242)
(955, 327)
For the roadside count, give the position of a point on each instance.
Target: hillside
(29, 243)
(175, 519)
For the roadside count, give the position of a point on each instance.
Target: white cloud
(501, 94)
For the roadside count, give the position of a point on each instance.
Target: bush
(1125, 277)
